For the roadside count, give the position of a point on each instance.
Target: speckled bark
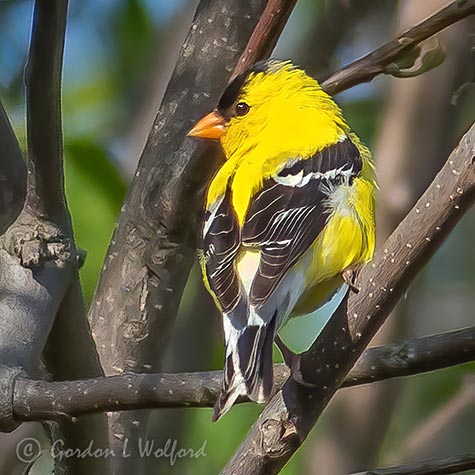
(39, 400)
(153, 247)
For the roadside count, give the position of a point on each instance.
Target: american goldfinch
(290, 211)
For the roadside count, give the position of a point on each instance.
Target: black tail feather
(263, 382)
(248, 367)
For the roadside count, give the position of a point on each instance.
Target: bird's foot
(349, 276)
(292, 360)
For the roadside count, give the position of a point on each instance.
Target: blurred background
(119, 56)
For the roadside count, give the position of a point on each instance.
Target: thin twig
(436, 466)
(39, 400)
(368, 67)
(265, 34)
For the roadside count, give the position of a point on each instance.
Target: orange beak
(211, 126)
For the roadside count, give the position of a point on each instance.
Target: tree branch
(32, 241)
(37, 253)
(39, 400)
(144, 275)
(436, 466)
(287, 419)
(152, 249)
(265, 34)
(414, 356)
(45, 195)
(12, 173)
(368, 67)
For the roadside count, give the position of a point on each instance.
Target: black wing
(221, 239)
(291, 210)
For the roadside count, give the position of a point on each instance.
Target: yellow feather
(298, 120)
(255, 152)
(348, 237)
(202, 262)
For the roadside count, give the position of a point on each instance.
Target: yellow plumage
(274, 121)
(251, 156)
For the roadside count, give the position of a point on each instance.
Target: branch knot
(36, 242)
(278, 437)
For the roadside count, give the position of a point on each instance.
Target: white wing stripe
(212, 210)
(300, 180)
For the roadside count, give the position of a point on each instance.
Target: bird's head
(275, 104)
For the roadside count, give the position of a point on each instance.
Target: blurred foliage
(132, 38)
(422, 397)
(95, 193)
(111, 52)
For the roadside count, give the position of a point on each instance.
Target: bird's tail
(248, 366)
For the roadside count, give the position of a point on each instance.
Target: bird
(289, 216)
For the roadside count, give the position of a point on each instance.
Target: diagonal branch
(405, 179)
(12, 173)
(39, 400)
(437, 466)
(265, 34)
(152, 249)
(288, 418)
(368, 67)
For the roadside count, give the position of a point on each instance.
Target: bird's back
(289, 210)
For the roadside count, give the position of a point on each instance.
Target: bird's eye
(242, 108)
